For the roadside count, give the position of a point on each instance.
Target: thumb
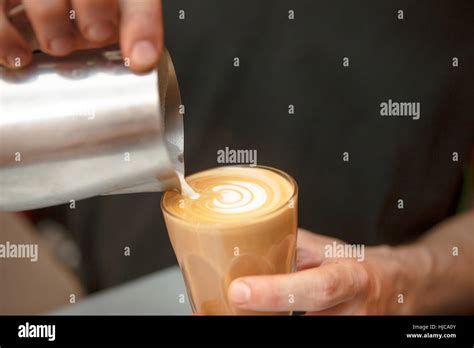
(313, 289)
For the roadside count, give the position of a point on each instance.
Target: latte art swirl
(230, 194)
(238, 197)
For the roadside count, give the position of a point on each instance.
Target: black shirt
(337, 109)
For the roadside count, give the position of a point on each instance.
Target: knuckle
(362, 278)
(330, 286)
(351, 281)
(357, 275)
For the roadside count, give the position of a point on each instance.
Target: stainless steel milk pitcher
(85, 125)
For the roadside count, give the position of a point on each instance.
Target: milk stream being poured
(185, 189)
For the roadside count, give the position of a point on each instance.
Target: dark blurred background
(337, 109)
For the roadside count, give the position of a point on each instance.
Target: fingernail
(239, 292)
(61, 45)
(144, 54)
(100, 31)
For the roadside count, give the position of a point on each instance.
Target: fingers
(141, 32)
(310, 249)
(314, 289)
(14, 51)
(53, 27)
(141, 29)
(97, 20)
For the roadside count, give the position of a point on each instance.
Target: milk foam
(229, 194)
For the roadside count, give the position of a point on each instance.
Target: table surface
(159, 293)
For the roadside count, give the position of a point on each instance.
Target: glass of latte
(240, 221)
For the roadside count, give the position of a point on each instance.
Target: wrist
(403, 272)
(413, 276)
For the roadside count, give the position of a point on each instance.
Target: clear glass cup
(212, 255)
